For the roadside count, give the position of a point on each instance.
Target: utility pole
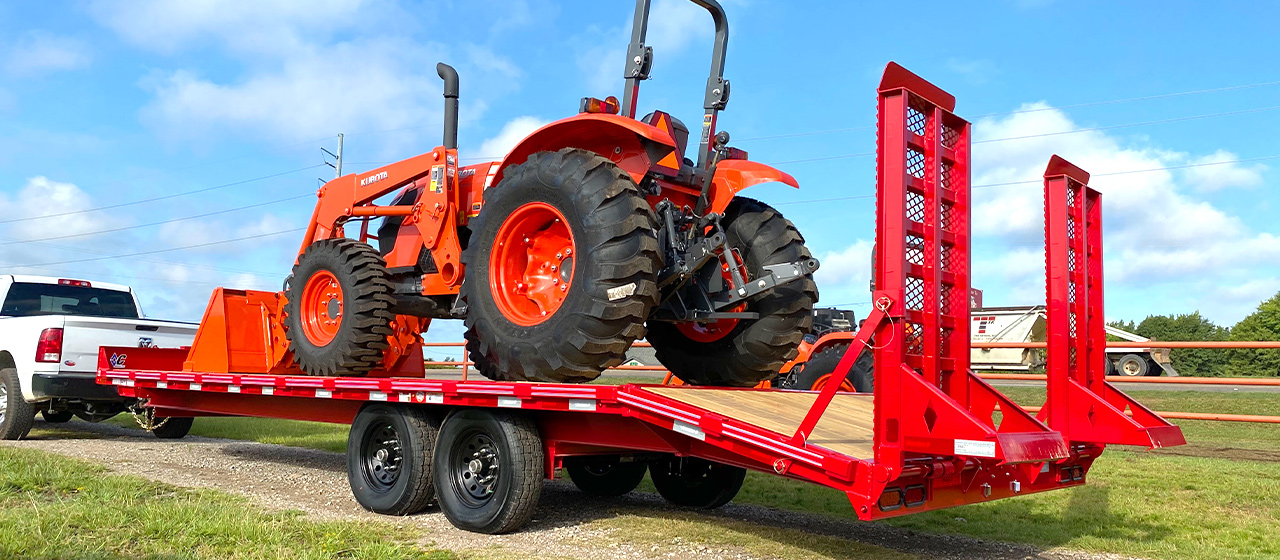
(337, 165)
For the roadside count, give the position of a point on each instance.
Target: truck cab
(50, 332)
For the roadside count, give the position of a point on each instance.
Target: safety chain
(146, 417)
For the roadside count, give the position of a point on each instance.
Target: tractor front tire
(561, 270)
(814, 374)
(338, 313)
(742, 353)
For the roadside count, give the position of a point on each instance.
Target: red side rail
(1080, 402)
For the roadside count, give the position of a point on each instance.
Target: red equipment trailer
(930, 436)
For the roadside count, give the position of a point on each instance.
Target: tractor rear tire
(338, 313)
(561, 270)
(752, 350)
(814, 374)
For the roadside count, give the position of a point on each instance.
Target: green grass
(55, 507)
(1217, 497)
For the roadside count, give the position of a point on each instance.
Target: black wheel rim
(474, 465)
(382, 457)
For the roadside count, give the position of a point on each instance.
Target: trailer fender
(734, 175)
(632, 145)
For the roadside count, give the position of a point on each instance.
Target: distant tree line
(1262, 324)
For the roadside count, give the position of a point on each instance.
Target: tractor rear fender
(632, 145)
(809, 349)
(734, 175)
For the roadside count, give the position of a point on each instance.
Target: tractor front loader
(594, 231)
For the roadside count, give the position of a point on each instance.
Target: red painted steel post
(1057, 254)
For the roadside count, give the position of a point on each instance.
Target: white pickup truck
(50, 331)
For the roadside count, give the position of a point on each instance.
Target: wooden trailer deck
(845, 428)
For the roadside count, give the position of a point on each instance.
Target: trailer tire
(389, 452)
(815, 373)
(174, 427)
(1132, 365)
(59, 417)
(567, 317)
(488, 468)
(604, 476)
(17, 416)
(747, 352)
(696, 483)
(346, 278)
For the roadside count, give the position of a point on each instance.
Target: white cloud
(264, 26)
(845, 275)
(673, 26)
(1215, 173)
(511, 134)
(1156, 231)
(39, 52)
(42, 196)
(371, 84)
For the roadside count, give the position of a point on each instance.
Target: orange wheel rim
(531, 267)
(821, 382)
(321, 308)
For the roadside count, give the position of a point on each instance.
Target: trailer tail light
(77, 283)
(49, 347)
(592, 105)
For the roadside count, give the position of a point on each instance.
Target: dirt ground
(565, 526)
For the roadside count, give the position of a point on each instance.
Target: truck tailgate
(83, 335)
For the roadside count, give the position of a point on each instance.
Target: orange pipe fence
(1199, 416)
(1243, 381)
(1256, 344)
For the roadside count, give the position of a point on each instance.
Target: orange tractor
(594, 231)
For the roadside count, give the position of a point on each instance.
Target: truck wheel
(60, 417)
(1132, 365)
(814, 374)
(389, 458)
(697, 483)
(561, 270)
(174, 427)
(338, 311)
(740, 353)
(16, 414)
(604, 476)
(488, 469)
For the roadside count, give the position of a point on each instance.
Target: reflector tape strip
(582, 404)
(233, 388)
(324, 394)
(689, 430)
(162, 385)
(509, 402)
(268, 390)
(974, 448)
(377, 396)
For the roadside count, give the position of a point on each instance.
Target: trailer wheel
(697, 483)
(604, 476)
(16, 414)
(814, 374)
(59, 417)
(338, 312)
(1132, 365)
(740, 353)
(389, 458)
(173, 427)
(561, 269)
(488, 470)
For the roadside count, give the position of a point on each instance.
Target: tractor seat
(681, 133)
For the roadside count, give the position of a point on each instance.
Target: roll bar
(640, 61)
(450, 77)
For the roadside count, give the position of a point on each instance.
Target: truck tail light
(49, 348)
(77, 283)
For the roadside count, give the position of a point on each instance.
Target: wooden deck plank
(846, 427)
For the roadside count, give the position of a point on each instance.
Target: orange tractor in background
(594, 231)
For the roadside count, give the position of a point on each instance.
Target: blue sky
(108, 102)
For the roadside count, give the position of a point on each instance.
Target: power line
(1032, 181)
(162, 222)
(154, 251)
(1035, 110)
(164, 197)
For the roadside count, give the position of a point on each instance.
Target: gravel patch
(314, 482)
